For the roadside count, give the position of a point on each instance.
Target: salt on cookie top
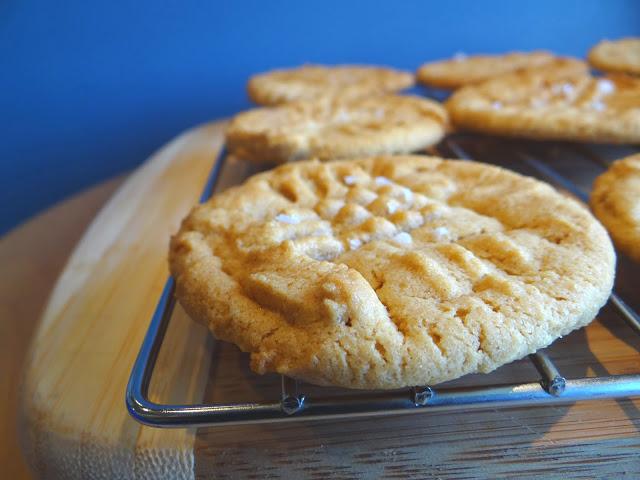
(552, 105)
(618, 56)
(615, 200)
(464, 70)
(314, 81)
(390, 271)
(332, 128)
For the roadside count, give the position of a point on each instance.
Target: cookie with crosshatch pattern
(464, 70)
(310, 82)
(615, 200)
(618, 56)
(336, 127)
(386, 272)
(551, 105)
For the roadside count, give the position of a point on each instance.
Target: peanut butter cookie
(315, 81)
(387, 272)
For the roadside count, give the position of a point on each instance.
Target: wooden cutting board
(74, 423)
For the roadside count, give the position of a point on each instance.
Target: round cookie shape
(390, 271)
(334, 128)
(615, 200)
(468, 70)
(551, 105)
(310, 82)
(618, 56)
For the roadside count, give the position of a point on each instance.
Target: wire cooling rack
(547, 161)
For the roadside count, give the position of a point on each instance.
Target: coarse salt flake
(459, 56)
(606, 86)
(403, 237)
(598, 106)
(496, 105)
(382, 181)
(392, 206)
(350, 179)
(354, 243)
(407, 194)
(290, 219)
(441, 232)
(537, 103)
(342, 116)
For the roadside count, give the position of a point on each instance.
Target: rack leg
(552, 381)
(291, 401)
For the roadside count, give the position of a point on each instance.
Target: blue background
(90, 89)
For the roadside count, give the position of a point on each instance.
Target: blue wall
(90, 89)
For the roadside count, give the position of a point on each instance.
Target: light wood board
(32, 256)
(75, 424)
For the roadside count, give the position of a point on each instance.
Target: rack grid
(540, 159)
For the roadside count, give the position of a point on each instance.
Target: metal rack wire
(294, 404)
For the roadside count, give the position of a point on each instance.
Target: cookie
(619, 56)
(467, 70)
(551, 105)
(615, 200)
(386, 272)
(314, 81)
(330, 128)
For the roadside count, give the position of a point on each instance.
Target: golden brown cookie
(331, 128)
(615, 200)
(544, 105)
(314, 81)
(391, 271)
(467, 70)
(619, 56)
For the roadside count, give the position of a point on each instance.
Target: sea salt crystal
(403, 237)
(598, 106)
(354, 243)
(432, 216)
(342, 116)
(382, 181)
(441, 232)
(284, 218)
(460, 56)
(350, 179)
(565, 88)
(392, 206)
(537, 103)
(407, 194)
(496, 105)
(606, 86)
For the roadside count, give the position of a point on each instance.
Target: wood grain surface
(75, 425)
(32, 256)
